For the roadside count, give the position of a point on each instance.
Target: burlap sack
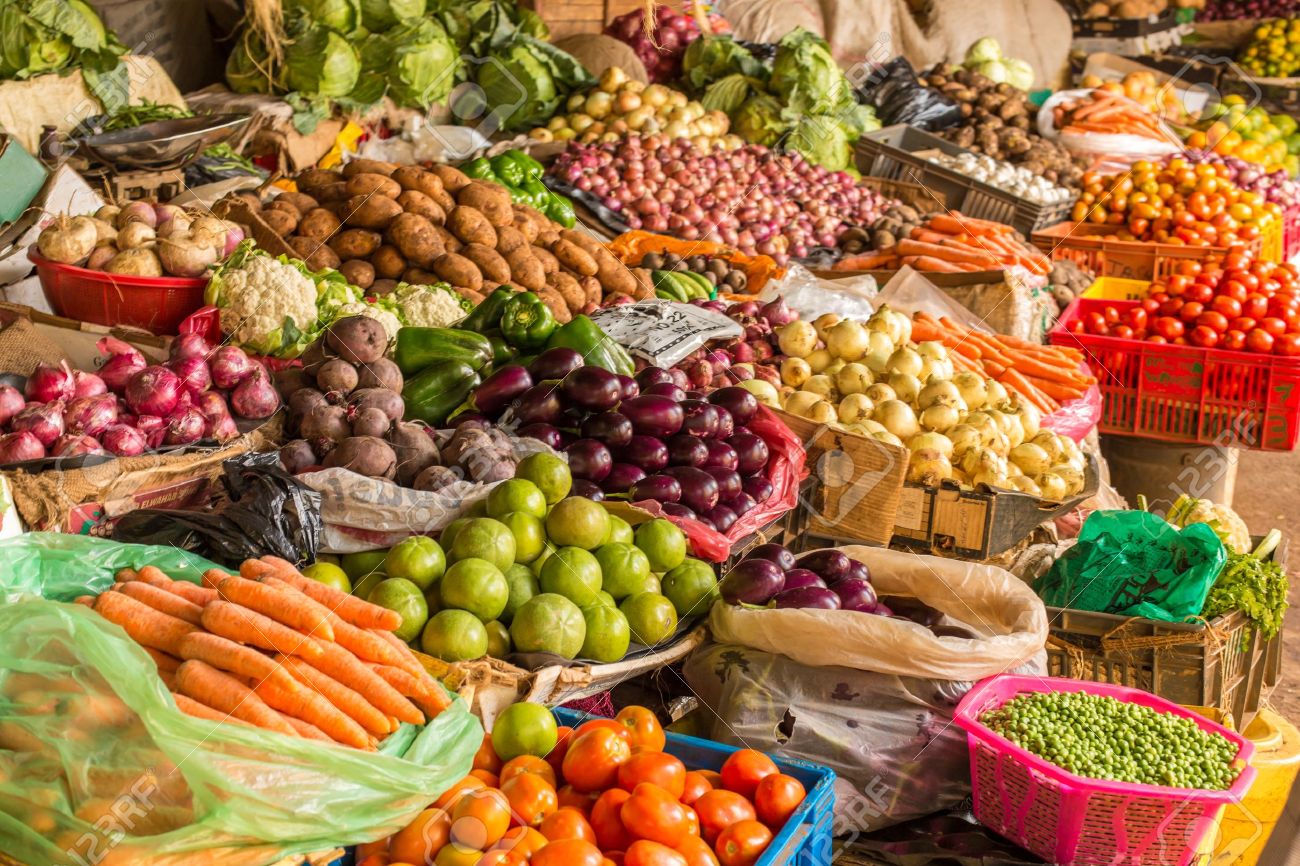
(23, 347)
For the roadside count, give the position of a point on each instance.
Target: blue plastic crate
(805, 840)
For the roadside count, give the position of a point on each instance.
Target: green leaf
(72, 18)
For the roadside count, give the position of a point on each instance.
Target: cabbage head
(759, 121)
(29, 48)
(341, 15)
(379, 15)
(983, 50)
(806, 76)
(321, 62)
(423, 64)
(824, 140)
(524, 80)
(1019, 73)
(993, 70)
(726, 94)
(709, 59)
(531, 24)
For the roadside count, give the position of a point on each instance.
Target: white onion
(928, 466)
(971, 387)
(905, 386)
(1031, 459)
(905, 360)
(1053, 486)
(931, 440)
(879, 392)
(898, 418)
(1050, 442)
(939, 417)
(932, 350)
(938, 391)
(997, 393)
(855, 408)
(964, 437)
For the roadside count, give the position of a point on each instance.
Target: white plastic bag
(1128, 147)
(850, 298)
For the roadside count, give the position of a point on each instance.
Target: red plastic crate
(1095, 248)
(156, 304)
(1187, 394)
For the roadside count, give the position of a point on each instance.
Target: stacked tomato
(1182, 203)
(1238, 303)
(608, 794)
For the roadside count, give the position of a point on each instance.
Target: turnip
(139, 262)
(68, 241)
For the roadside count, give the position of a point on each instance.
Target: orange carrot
(1035, 367)
(934, 265)
(346, 700)
(224, 654)
(347, 607)
(124, 574)
(214, 576)
(161, 600)
(948, 252)
(277, 604)
(307, 730)
(307, 705)
(164, 661)
(199, 595)
(146, 626)
(927, 236)
(365, 645)
(427, 694)
(248, 626)
(1056, 390)
(344, 667)
(222, 692)
(200, 710)
(407, 660)
(1017, 382)
(879, 260)
(956, 224)
(87, 600)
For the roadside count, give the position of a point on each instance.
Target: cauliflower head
(265, 305)
(392, 324)
(1225, 522)
(435, 306)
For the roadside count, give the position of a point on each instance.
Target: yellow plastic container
(1117, 289)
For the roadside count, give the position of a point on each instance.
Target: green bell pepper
(417, 348)
(487, 315)
(433, 394)
(479, 169)
(587, 339)
(560, 209)
(532, 169)
(502, 351)
(507, 169)
(527, 322)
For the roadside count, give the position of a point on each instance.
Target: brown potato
(415, 239)
(299, 200)
(525, 226)
(420, 277)
(489, 262)
(546, 238)
(314, 254)
(574, 257)
(355, 243)
(373, 184)
(550, 264)
(592, 291)
(359, 273)
(645, 287)
(584, 240)
(388, 262)
(315, 178)
(416, 202)
(452, 178)
(412, 177)
(472, 296)
(534, 216)
(250, 199)
(449, 241)
(371, 211)
(331, 192)
(335, 207)
(613, 274)
(287, 207)
(383, 287)
(526, 270)
(472, 227)
(280, 222)
(459, 271)
(368, 166)
(490, 199)
(568, 288)
(509, 239)
(555, 303)
(318, 223)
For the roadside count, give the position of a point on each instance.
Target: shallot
(190, 346)
(124, 361)
(185, 427)
(11, 403)
(73, 445)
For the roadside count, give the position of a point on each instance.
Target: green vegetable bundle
(1253, 585)
(43, 36)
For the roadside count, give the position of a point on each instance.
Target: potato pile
(895, 223)
(378, 223)
(1067, 281)
(1000, 123)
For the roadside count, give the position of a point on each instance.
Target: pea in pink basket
(1073, 821)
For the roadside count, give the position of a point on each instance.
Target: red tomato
(646, 853)
(1243, 323)
(610, 724)
(697, 852)
(1233, 289)
(594, 758)
(1110, 314)
(1256, 306)
(1273, 325)
(575, 799)
(611, 835)
(564, 738)
(742, 844)
(568, 852)
(1124, 332)
(1199, 293)
(1204, 337)
(643, 728)
(695, 785)
(777, 798)
(653, 813)
(1234, 340)
(1156, 338)
(1229, 307)
(1215, 321)
(1260, 341)
(660, 768)
(1094, 322)
(719, 810)
(1191, 310)
(1158, 297)
(1168, 327)
(745, 769)
(1150, 305)
(567, 824)
(1171, 307)
(1287, 345)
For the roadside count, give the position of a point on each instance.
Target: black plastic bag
(263, 510)
(899, 98)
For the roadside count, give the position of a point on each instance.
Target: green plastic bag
(1133, 563)
(97, 766)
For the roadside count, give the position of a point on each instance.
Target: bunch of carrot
(952, 243)
(272, 648)
(1102, 111)
(1046, 376)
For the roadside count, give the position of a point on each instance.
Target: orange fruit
(420, 840)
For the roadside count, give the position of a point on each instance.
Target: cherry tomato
(1199, 293)
(1137, 318)
(1234, 340)
(1260, 341)
(1156, 338)
(655, 814)
(1229, 307)
(1168, 327)
(777, 798)
(1273, 325)
(1288, 345)
(1158, 297)
(1124, 332)
(744, 769)
(1204, 337)
(742, 843)
(1255, 306)
(1213, 320)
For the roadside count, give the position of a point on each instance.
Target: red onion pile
(752, 198)
(1232, 10)
(131, 406)
(661, 49)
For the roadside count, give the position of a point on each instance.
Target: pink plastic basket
(1073, 821)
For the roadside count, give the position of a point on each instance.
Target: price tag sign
(664, 332)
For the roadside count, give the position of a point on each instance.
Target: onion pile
(1233, 10)
(131, 406)
(752, 198)
(823, 579)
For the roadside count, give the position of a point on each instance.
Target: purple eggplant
(685, 450)
(858, 571)
(665, 389)
(699, 489)
(830, 564)
(648, 452)
(758, 487)
(815, 597)
(721, 455)
(912, 608)
(742, 405)
(752, 581)
(586, 489)
(628, 388)
(653, 376)
(796, 578)
(589, 459)
(622, 476)
(855, 594)
(742, 504)
(543, 433)
(653, 416)
(555, 364)
(752, 451)
(720, 517)
(660, 488)
(539, 404)
(726, 424)
(612, 428)
(783, 558)
(592, 388)
(699, 418)
(676, 509)
(498, 390)
(728, 481)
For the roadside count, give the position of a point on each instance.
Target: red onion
(11, 403)
(190, 346)
(87, 384)
(153, 427)
(234, 234)
(47, 384)
(255, 397)
(19, 447)
(185, 428)
(194, 373)
(74, 445)
(90, 415)
(124, 361)
(212, 404)
(153, 391)
(43, 420)
(124, 441)
(222, 429)
(229, 366)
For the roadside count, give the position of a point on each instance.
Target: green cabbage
(321, 62)
(823, 139)
(1019, 73)
(983, 50)
(759, 121)
(423, 65)
(379, 15)
(523, 82)
(806, 76)
(993, 70)
(42, 36)
(712, 58)
(727, 94)
(341, 15)
(531, 24)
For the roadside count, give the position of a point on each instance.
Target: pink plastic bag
(1076, 418)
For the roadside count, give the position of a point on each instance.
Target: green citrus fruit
(328, 574)
(663, 543)
(523, 586)
(454, 636)
(529, 533)
(367, 584)
(650, 616)
(608, 634)
(358, 565)
(549, 623)
(623, 568)
(485, 538)
(573, 573)
(403, 596)
(577, 522)
(516, 494)
(524, 729)
(549, 473)
(419, 559)
(620, 531)
(449, 532)
(691, 587)
(475, 585)
(498, 639)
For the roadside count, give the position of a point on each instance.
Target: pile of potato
(378, 223)
(895, 223)
(1000, 123)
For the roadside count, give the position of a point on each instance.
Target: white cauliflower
(1225, 522)
(389, 320)
(429, 306)
(266, 305)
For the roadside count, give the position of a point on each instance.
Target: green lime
(650, 616)
(577, 522)
(549, 623)
(619, 531)
(329, 574)
(663, 543)
(403, 596)
(573, 573)
(608, 635)
(449, 532)
(549, 473)
(606, 598)
(524, 729)
(475, 585)
(548, 550)
(692, 587)
(454, 636)
(419, 559)
(358, 565)
(498, 639)
(485, 538)
(624, 569)
(516, 494)
(367, 584)
(529, 533)
(523, 586)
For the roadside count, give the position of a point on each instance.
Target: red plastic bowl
(157, 304)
